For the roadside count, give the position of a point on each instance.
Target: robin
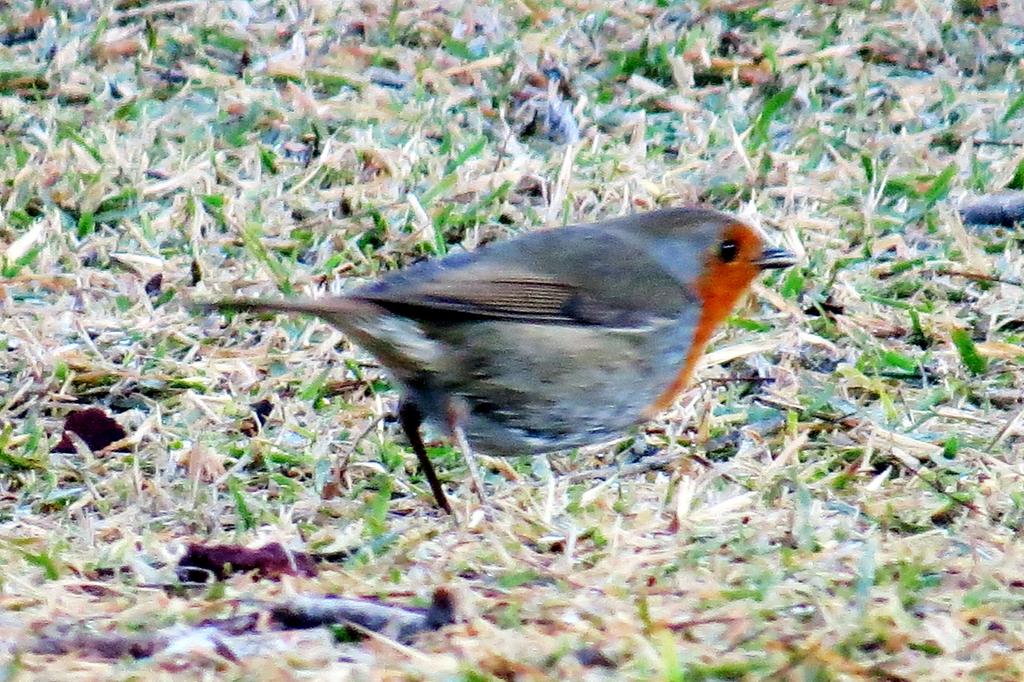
(553, 339)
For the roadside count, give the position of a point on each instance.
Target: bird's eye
(728, 250)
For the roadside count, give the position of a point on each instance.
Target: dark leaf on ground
(93, 426)
(219, 561)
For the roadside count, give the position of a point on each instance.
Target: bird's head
(715, 254)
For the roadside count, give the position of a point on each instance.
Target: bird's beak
(775, 259)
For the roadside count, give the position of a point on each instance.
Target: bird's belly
(500, 438)
(528, 389)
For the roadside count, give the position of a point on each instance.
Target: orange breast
(718, 288)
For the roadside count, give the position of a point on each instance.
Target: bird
(552, 339)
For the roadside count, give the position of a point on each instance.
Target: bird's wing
(570, 276)
(520, 296)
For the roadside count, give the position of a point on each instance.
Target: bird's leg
(456, 417)
(410, 419)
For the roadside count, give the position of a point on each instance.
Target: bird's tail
(400, 344)
(321, 307)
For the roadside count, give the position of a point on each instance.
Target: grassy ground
(855, 509)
